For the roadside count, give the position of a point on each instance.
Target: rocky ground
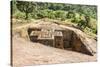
(28, 53)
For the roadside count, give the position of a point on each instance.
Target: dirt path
(29, 53)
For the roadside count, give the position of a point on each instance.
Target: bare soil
(30, 53)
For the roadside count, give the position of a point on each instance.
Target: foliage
(37, 8)
(26, 7)
(60, 14)
(19, 15)
(13, 6)
(81, 15)
(70, 14)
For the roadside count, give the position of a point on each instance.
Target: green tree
(55, 6)
(26, 7)
(84, 22)
(13, 6)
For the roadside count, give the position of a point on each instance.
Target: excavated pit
(55, 36)
(68, 44)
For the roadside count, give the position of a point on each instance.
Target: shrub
(51, 15)
(60, 14)
(19, 15)
(42, 14)
(70, 15)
